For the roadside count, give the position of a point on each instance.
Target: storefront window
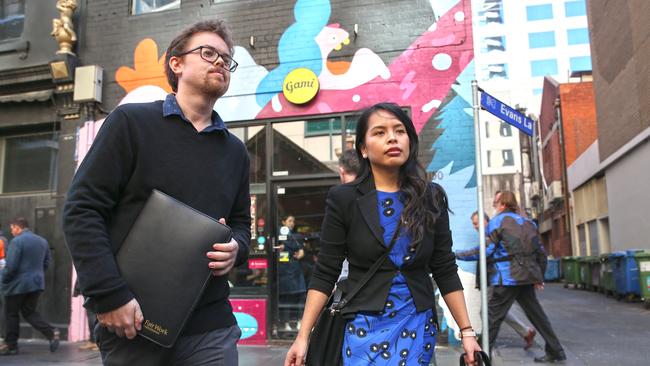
(12, 18)
(295, 152)
(151, 6)
(29, 163)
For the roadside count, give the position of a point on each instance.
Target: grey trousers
(502, 299)
(218, 348)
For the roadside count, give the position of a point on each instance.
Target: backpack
(524, 247)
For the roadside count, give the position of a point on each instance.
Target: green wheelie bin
(643, 261)
(606, 285)
(570, 271)
(584, 274)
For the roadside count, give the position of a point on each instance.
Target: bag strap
(482, 359)
(371, 272)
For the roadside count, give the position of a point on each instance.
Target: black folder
(163, 260)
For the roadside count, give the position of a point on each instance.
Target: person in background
(3, 251)
(348, 172)
(526, 332)
(291, 278)
(516, 269)
(392, 319)
(23, 281)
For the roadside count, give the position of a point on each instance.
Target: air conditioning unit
(534, 191)
(554, 192)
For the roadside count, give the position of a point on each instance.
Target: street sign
(506, 113)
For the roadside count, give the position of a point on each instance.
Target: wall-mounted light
(251, 41)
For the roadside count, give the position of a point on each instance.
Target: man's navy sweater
(136, 150)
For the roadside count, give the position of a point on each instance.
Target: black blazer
(351, 229)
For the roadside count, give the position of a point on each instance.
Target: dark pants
(25, 305)
(502, 299)
(218, 347)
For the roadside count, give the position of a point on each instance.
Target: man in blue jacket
(516, 264)
(23, 280)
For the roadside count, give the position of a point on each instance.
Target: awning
(33, 96)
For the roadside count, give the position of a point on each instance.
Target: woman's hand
(470, 346)
(297, 353)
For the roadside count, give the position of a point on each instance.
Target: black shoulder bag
(480, 357)
(326, 339)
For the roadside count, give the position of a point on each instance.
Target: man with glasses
(182, 147)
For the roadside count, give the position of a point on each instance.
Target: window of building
(489, 159)
(543, 67)
(326, 126)
(491, 12)
(505, 130)
(152, 6)
(487, 129)
(492, 71)
(575, 8)
(508, 157)
(582, 240)
(12, 19)
(29, 162)
(541, 39)
(539, 12)
(578, 36)
(580, 63)
(493, 44)
(594, 242)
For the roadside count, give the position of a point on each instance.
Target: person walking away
(392, 318)
(516, 270)
(525, 332)
(23, 281)
(179, 146)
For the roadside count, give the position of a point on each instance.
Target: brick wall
(578, 118)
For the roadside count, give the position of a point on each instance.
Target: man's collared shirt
(171, 107)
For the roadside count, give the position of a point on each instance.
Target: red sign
(251, 318)
(258, 263)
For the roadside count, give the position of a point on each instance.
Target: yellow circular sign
(300, 86)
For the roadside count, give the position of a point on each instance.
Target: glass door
(299, 209)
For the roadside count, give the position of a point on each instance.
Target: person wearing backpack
(515, 270)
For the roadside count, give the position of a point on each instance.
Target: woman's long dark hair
(421, 208)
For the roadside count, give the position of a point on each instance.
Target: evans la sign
(507, 113)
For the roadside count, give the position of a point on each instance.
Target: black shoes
(5, 350)
(54, 342)
(551, 359)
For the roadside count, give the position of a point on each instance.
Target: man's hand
(224, 255)
(539, 286)
(124, 321)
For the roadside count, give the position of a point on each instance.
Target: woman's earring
(365, 156)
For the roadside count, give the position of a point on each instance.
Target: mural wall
(431, 77)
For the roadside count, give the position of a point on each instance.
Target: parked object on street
(584, 273)
(593, 282)
(643, 263)
(570, 271)
(626, 275)
(552, 270)
(606, 276)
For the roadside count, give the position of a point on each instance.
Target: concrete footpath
(594, 330)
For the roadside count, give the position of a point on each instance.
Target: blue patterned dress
(399, 335)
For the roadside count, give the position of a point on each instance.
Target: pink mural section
(420, 77)
(78, 327)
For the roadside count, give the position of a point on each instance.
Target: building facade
(622, 93)
(359, 55)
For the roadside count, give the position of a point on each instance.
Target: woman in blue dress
(392, 320)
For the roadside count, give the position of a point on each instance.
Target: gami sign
(507, 113)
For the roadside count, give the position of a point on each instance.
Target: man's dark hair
(178, 44)
(485, 216)
(349, 161)
(21, 222)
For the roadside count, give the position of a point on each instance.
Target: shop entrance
(299, 210)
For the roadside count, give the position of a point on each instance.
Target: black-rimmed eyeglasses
(211, 55)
